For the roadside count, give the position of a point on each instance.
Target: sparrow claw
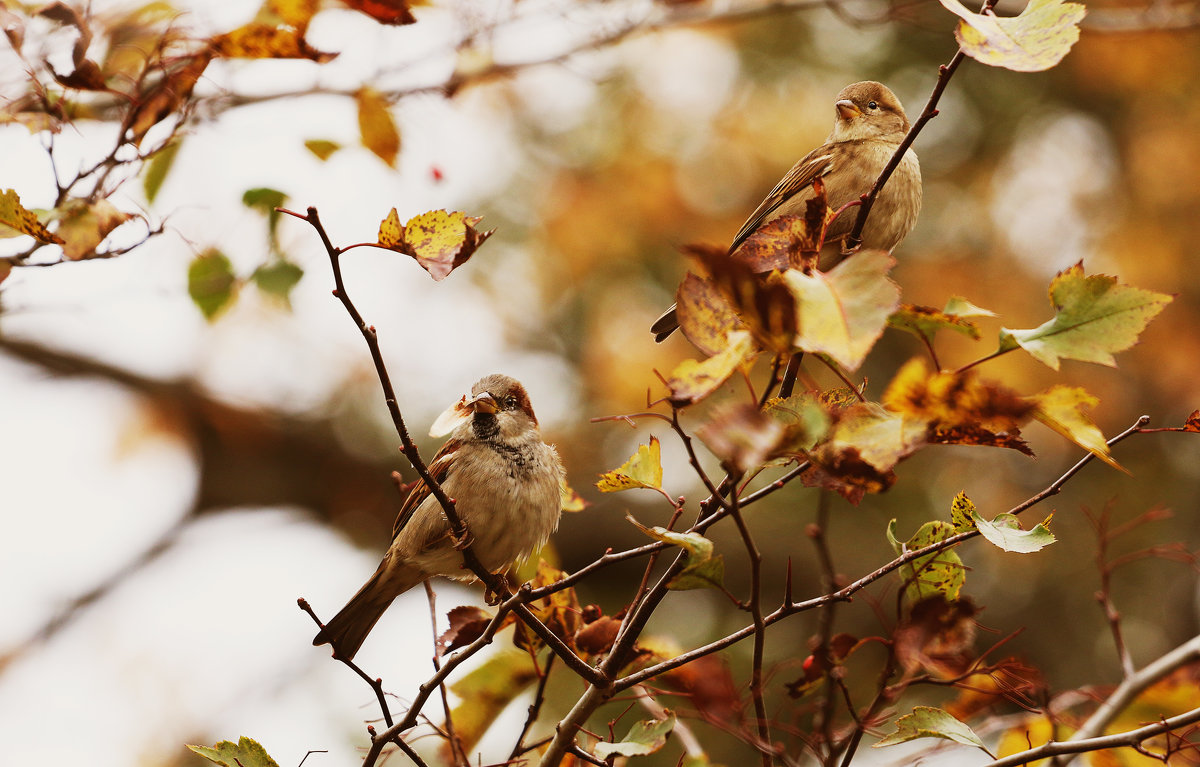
(461, 543)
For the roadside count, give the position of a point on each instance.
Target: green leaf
(643, 469)
(925, 321)
(245, 753)
(158, 168)
(929, 722)
(277, 279)
(1005, 532)
(643, 738)
(1094, 317)
(265, 200)
(1033, 41)
(211, 282)
(843, 312)
(941, 572)
(322, 148)
(701, 569)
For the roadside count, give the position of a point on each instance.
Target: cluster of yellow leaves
(852, 444)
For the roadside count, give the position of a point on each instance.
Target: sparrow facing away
(869, 127)
(505, 484)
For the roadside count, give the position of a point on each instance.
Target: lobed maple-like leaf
(925, 321)
(1005, 532)
(1036, 39)
(1095, 316)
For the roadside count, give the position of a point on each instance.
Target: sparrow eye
(872, 105)
(510, 402)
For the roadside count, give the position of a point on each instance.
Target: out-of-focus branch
(1131, 738)
(1132, 686)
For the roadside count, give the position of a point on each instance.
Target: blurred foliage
(618, 165)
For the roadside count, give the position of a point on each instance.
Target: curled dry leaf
(392, 12)
(742, 436)
(16, 217)
(937, 636)
(376, 125)
(466, 624)
(959, 408)
(1065, 410)
(84, 226)
(440, 241)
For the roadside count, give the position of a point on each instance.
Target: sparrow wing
(812, 166)
(439, 469)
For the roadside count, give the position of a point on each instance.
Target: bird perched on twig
(505, 484)
(868, 130)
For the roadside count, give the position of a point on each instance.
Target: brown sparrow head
(505, 484)
(870, 124)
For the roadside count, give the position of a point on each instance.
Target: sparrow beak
(483, 403)
(847, 110)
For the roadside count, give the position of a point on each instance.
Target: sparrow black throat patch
(485, 425)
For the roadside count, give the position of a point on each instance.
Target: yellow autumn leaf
(692, 381)
(569, 499)
(376, 126)
(1035, 40)
(84, 226)
(643, 469)
(17, 217)
(843, 312)
(1064, 409)
(391, 231)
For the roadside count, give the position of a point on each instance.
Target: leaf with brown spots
(705, 316)
(16, 217)
(440, 241)
(764, 303)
